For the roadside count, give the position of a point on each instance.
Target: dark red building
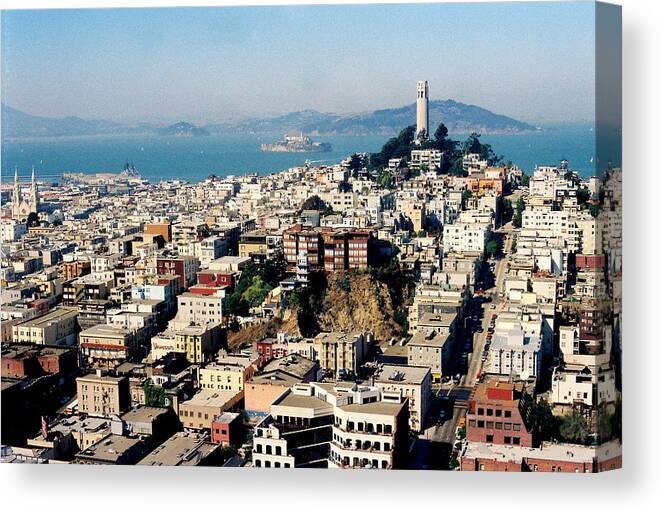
(497, 413)
(226, 429)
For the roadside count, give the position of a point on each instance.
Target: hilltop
(458, 117)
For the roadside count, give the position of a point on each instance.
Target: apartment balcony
(348, 446)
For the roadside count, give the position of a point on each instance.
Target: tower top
(33, 174)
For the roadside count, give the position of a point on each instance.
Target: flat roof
(548, 451)
(110, 448)
(210, 398)
(182, 449)
(144, 413)
(402, 374)
(389, 408)
(52, 316)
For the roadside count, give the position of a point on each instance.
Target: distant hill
(19, 124)
(458, 117)
(183, 129)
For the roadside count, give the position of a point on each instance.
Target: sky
(531, 61)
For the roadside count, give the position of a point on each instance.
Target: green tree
(316, 203)
(525, 180)
(355, 164)
(33, 220)
(154, 395)
(385, 180)
(543, 423)
(491, 248)
(574, 428)
(507, 210)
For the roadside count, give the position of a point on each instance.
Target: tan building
(103, 395)
(228, 373)
(198, 309)
(110, 345)
(342, 353)
(58, 327)
(275, 378)
(199, 412)
(253, 243)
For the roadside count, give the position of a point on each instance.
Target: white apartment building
(340, 425)
(412, 383)
(464, 237)
(515, 352)
(198, 309)
(429, 158)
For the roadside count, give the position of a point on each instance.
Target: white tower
(422, 111)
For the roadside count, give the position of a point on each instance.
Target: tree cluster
(453, 151)
(255, 283)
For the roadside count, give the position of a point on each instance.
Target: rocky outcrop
(356, 301)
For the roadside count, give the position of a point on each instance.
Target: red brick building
(25, 360)
(185, 267)
(497, 413)
(331, 250)
(550, 458)
(226, 429)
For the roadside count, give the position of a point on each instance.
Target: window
(499, 412)
(508, 440)
(499, 425)
(508, 414)
(489, 438)
(489, 412)
(480, 423)
(516, 440)
(516, 426)
(480, 410)
(489, 424)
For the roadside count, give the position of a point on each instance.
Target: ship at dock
(296, 144)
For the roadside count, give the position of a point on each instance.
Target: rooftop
(402, 374)
(182, 449)
(110, 448)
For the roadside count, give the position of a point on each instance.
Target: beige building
(412, 383)
(57, 327)
(342, 353)
(333, 425)
(432, 350)
(198, 309)
(198, 412)
(103, 395)
(110, 345)
(228, 373)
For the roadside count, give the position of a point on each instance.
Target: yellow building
(228, 373)
(199, 343)
(253, 243)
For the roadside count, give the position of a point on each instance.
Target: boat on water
(296, 144)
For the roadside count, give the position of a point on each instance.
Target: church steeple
(33, 192)
(16, 198)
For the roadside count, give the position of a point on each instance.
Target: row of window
(492, 412)
(267, 464)
(498, 425)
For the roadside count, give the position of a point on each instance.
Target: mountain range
(458, 117)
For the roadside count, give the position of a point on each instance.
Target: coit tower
(422, 118)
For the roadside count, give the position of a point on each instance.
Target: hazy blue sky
(533, 61)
